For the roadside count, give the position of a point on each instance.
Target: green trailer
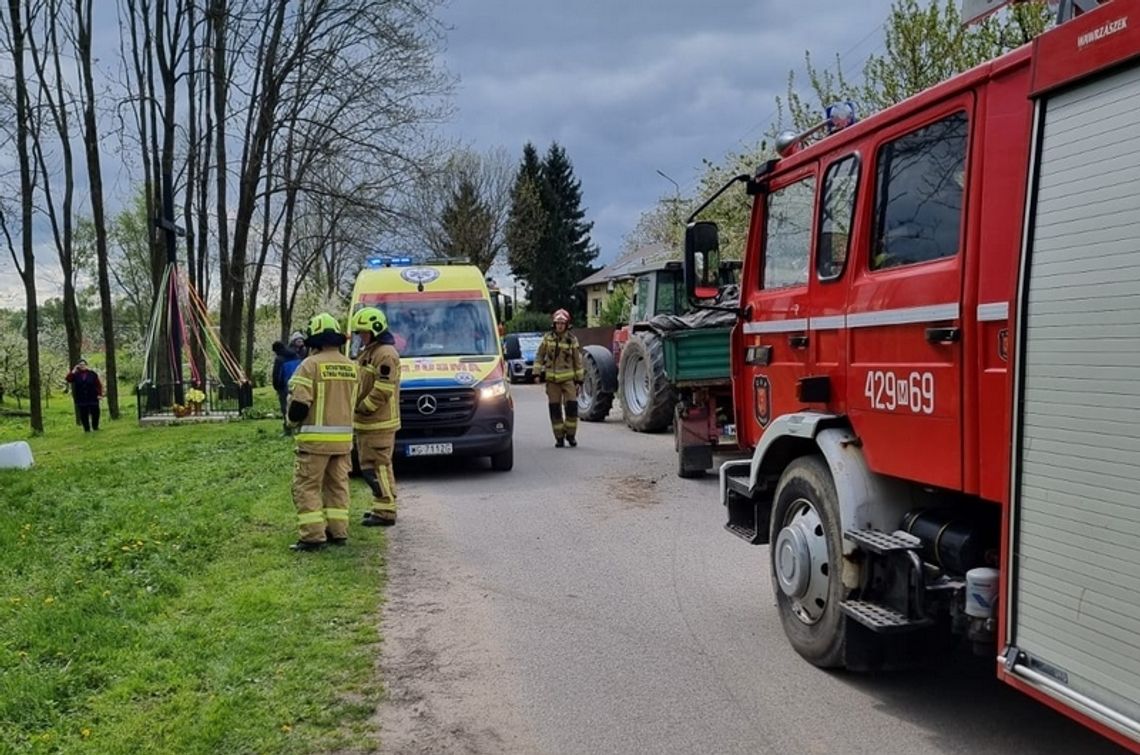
(697, 366)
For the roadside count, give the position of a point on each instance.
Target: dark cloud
(633, 88)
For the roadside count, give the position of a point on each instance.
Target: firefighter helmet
(369, 320)
(561, 315)
(323, 323)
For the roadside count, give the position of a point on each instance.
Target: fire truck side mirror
(702, 259)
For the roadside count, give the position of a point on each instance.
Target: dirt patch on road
(635, 491)
(445, 690)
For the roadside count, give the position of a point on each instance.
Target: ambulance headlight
(492, 389)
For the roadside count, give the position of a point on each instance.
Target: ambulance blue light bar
(387, 261)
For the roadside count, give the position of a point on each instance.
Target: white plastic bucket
(982, 592)
(16, 455)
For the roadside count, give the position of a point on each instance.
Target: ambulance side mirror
(702, 259)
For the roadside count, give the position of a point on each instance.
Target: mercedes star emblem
(427, 405)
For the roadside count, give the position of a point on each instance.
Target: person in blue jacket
(285, 362)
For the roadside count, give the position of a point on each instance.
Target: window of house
(597, 306)
(836, 217)
(918, 195)
(787, 237)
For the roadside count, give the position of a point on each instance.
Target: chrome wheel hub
(801, 561)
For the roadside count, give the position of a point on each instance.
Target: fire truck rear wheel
(806, 560)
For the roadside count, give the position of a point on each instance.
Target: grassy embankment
(149, 603)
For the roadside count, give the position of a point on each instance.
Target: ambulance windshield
(442, 327)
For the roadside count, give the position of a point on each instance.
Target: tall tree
(55, 101)
(565, 252)
(15, 25)
(82, 18)
(461, 207)
(526, 222)
(466, 225)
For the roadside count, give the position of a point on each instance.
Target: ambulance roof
(408, 279)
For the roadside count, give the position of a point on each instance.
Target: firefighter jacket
(326, 381)
(559, 359)
(378, 405)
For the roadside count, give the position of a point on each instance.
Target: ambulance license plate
(429, 449)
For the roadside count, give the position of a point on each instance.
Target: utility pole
(676, 201)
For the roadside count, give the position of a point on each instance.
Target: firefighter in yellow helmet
(322, 394)
(559, 362)
(377, 416)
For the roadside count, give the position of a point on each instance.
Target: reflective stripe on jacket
(326, 381)
(559, 359)
(378, 405)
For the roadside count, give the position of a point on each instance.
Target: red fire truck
(937, 369)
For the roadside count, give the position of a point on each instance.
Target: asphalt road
(590, 601)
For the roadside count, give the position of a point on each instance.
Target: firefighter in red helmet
(559, 363)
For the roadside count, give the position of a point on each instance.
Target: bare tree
(21, 15)
(362, 73)
(54, 104)
(462, 210)
(82, 20)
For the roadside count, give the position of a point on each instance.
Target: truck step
(738, 483)
(883, 542)
(880, 618)
(743, 532)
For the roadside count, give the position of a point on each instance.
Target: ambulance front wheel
(806, 556)
(504, 461)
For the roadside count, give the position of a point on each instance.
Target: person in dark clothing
(86, 390)
(285, 360)
(297, 344)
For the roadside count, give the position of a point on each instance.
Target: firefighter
(322, 393)
(377, 416)
(559, 362)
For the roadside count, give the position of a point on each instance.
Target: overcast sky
(632, 88)
(627, 88)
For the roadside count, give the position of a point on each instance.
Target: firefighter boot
(572, 423)
(557, 424)
(304, 545)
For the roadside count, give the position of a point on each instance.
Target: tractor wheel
(647, 398)
(596, 397)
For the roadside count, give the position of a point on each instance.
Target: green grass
(149, 603)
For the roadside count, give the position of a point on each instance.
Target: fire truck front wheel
(806, 555)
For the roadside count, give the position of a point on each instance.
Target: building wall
(595, 297)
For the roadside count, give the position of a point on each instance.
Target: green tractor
(671, 362)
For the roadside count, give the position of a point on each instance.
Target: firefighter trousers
(375, 453)
(559, 394)
(320, 493)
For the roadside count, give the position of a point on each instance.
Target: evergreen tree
(565, 251)
(526, 222)
(467, 226)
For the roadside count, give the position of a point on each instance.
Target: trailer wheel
(806, 560)
(647, 397)
(596, 397)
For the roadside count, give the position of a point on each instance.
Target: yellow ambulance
(455, 397)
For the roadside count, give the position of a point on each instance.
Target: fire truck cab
(937, 366)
